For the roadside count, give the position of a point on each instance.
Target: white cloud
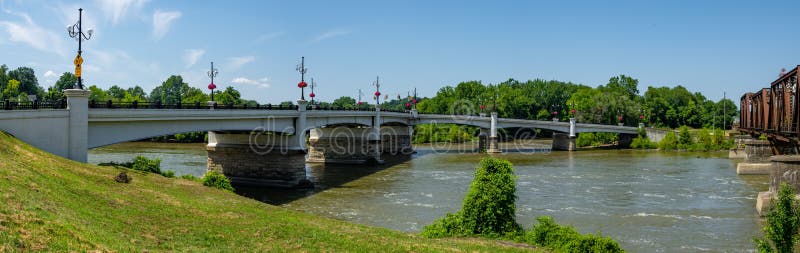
(330, 34)
(238, 62)
(50, 73)
(266, 37)
(263, 82)
(191, 56)
(31, 34)
(162, 21)
(117, 10)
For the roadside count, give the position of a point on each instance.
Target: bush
(566, 239)
(190, 177)
(142, 163)
(488, 208)
(684, 138)
(782, 223)
(169, 174)
(670, 142)
(585, 139)
(217, 180)
(643, 143)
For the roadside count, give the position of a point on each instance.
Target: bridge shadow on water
(329, 176)
(321, 176)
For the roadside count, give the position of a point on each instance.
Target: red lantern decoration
(483, 107)
(212, 86)
(377, 94)
(641, 116)
(619, 118)
(555, 113)
(572, 111)
(408, 104)
(359, 102)
(414, 101)
(312, 95)
(302, 85)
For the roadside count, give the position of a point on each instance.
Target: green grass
(48, 203)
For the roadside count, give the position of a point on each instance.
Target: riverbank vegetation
(53, 204)
(489, 211)
(782, 225)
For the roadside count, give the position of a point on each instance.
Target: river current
(649, 201)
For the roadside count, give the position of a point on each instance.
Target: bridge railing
(33, 105)
(328, 107)
(150, 105)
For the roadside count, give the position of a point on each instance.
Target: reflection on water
(649, 201)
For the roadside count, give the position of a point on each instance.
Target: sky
(713, 47)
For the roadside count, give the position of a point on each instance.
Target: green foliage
(217, 180)
(669, 142)
(98, 94)
(762, 137)
(488, 208)
(585, 139)
(142, 163)
(432, 133)
(168, 173)
(28, 83)
(11, 90)
(684, 138)
(56, 92)
(782, 223)
(566, 239)
(643, 143)
(190, 177)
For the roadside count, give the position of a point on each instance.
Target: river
(647, 200)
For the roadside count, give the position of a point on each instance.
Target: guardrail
(149, 105)
(33, 105)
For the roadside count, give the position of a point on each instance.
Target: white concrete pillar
(300, 126)
(376, 125)
(493, 148)
(493, 126)
(78, 128)
(414, 113)
(571, 127)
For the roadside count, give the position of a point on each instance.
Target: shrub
(190, 177)
(585, 139)
(566, 239)
(762, 137)
(169, 174)
(488, 208)
(217, 180)
(684, 138)
(643, 143)
(142, 163)
(670, 142)
(782, 223)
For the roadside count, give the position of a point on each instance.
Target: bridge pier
(344, 145)
(756, 158)
(268, 159)
(737, 151)
(564, 142)
(492, 143)
(78, 124)
(396, 140)
(785, 168)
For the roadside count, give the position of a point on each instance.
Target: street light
(302, 84)
(377, 85)
(76, 31)
(212, 73)
(312, 95)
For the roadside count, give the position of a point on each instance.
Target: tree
(56, 92)
(137, 91)
(27, 81)
(229, 96)
(625, 84)
(170, 92)
(782, 224)
(344, 102)
(98, 95)
(11, 90)
(3, 76)
(116, 93)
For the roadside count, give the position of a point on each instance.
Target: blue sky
(707, 46)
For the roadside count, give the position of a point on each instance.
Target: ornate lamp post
(359, 97)
(302, 84)
(76, 31)
(312, 95)
(377, 85)
(212, 73)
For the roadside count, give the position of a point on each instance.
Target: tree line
(618, 101)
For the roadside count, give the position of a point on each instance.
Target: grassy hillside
(48, 203)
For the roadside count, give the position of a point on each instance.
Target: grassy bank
(52, 204)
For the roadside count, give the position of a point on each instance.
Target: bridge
(244, 142)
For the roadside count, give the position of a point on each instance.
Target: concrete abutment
(756, 158)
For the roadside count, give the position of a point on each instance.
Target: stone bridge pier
(258, 158)
(784, 169)
(396, 140)
(756, 158)
(344, 145)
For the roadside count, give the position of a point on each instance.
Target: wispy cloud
(262, 83)
(50, 74)
(117, 10)
(265, 37)
(162, 21)
(330, 34)
(31, 34)
(191, 56)
(238, 62)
